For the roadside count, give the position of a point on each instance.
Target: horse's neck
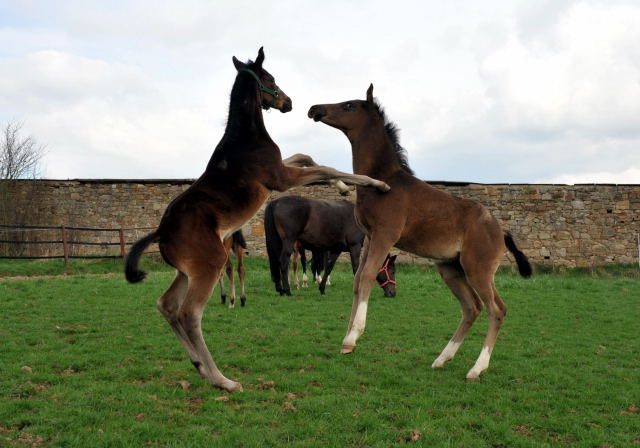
(373, 153)
(245, 120)
(244, 124)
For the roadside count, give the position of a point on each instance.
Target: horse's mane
(393, 132)
(242, 107)
(241, 118)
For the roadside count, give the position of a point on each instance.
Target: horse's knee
(497, 311)
(167, 308)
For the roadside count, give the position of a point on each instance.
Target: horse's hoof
(231, 386)
(223, 300)
(437, 363)
(243, 301)
(473, 376)
(346, 349)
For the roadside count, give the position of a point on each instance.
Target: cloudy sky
(486, 91)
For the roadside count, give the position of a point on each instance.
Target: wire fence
(66, 242)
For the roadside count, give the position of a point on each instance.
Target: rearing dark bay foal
(460, 233)
(244, 168)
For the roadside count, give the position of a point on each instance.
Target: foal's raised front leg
(303, 161)
(293, 177)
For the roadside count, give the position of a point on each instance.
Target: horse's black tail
(274, 243)
(131, 271)
(238, 239)
(521, 259)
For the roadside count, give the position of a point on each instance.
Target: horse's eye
(348, 106)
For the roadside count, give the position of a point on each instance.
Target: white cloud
(509, 91)
(581, 77)
(629, 176)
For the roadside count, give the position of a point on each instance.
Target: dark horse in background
(320, 226)
(461, 234)
(243, 170)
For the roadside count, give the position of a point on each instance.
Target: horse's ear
(260, 58)
(370, 94)
(238, 64)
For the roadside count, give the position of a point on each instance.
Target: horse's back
(428, 221)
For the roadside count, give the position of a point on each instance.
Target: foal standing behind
(244, 168)
(460, 233)
(236, 244)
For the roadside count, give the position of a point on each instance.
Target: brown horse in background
(244, 168)
(463, 235)
(235, 244)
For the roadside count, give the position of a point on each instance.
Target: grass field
(86, 360)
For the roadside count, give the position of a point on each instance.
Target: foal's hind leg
(223, 291)
(303, 262)
(285, 256)
(169, 304)
(294, 262)
(483, 284)
(189, 317)
(241, 272)
(331, 261)
(470, 303)
(232, 286)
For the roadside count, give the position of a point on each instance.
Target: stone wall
(577, 225)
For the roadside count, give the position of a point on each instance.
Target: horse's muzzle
(287, 106)
(317, 112)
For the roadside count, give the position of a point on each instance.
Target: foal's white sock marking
(481, 364)
(358, 325)
(447, 354)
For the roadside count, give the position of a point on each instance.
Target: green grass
(105, 369)
(33, 268)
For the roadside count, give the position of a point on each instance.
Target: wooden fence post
(121, 235)
(65, 248)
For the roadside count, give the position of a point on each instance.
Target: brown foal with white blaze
(460, 233)
(244, 168)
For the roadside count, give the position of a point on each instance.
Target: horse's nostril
(316, 112)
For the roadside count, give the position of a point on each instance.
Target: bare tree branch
(19, 156)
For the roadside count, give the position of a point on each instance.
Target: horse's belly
(237, 218)
(428, 242)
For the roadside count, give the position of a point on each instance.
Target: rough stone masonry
(578, 225)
